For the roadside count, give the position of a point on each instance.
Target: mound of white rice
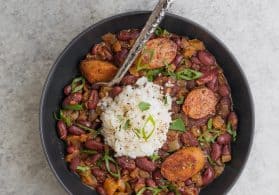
(131, 131)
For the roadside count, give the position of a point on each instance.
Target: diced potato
(97, 70)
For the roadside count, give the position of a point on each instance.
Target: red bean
(102, 51)
(224, 90)
(150, 182)
(115, 91)
(74, 163)
(126, 35)
(188, 182)
(99, 174)
(67, 90)
(195, 60)
(129, 80)
(157, 177)
(195, 122)
(176, 39)
(208, 176)
(101, 190)
(145, 164)
(93, 100)
(190, 84)
(94, 158)
(232, 118)
(147, 192)
(216, 151)
(85, 123)
(170, 193)
(62, 129)
(188, 139)
(94, 145)
(224, 107)
(207, 76)
(72, 99)
(120, 57)
(177, 60)
(226, 150)
(224, 139)
(70, 149)
(75, 130)
(126, 163)
(213, 84)
(206, 58)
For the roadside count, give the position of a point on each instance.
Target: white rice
(124, 139)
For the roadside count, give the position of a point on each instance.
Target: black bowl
(66, 68)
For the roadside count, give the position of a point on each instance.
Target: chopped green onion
(188, 74)
(77, 84)
(180, 100)
(89, 151)
(209, 124)
(61, 116)
(151, 120)
(109, 159)
(83, 168)
(144, 106)
(232, 132)
(165, 99)
(177, 125)
(86, 128)
(154, 190)
(127, 124)
(154, 157)
(151, 74)
(210, 160)
(73, 107)
(161, 32)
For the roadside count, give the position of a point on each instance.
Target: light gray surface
(34, 32)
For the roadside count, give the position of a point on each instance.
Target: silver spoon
(152, 23)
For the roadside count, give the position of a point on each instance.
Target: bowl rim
(125, 14)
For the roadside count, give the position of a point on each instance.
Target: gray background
(34, 32)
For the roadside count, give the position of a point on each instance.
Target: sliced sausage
(200, 103)
(97, 70)
(157, 53)
(183, 164)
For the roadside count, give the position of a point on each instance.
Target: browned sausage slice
(157, 53)
(200, 103)
(183, 164)
(97, 70)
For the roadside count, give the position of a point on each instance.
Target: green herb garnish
(188, 74)
(178, 125)
(180, 100)
(210, 160)
(64, 118)
(165, 99)
(232, 132)
(144, 106)
(127, 124)
(77, 84)
(161, 32)
(154, 157)
(87, 128)
(154, 190)
(151, 74)
(109, 159)
(89, 151)
(142, 133)
(83, 168)
(73, 107)
(209, 124)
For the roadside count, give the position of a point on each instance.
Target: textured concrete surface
(34, 32)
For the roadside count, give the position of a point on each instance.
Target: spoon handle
(152, 23)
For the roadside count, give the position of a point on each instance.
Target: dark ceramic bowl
(66, 68)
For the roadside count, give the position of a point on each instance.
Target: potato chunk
(183, 164)
(97, 70)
